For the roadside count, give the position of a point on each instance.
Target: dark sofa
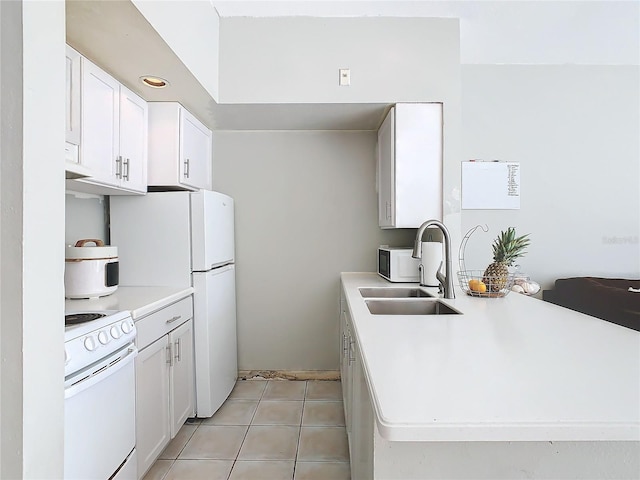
(605, 298)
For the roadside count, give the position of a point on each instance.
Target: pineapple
(506, 248)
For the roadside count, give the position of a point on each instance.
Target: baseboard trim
(289, 375)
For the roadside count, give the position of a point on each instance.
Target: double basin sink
(403, 301)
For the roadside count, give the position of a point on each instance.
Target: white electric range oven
(99, 406)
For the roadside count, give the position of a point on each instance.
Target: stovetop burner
(76, 318)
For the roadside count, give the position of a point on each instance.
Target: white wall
(574, 130)
(297, 59)
(191, 29)
(11, 436)
(555, 86)
(43, 262)
(32, 186)
(306, 210)
(84, 217)
(495, 31)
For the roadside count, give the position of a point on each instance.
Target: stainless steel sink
(409, 307)
(393, 292)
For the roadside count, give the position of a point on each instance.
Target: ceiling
(115, 36)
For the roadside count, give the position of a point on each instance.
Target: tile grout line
(304, 402)
(260, 398)
(247, 431)
(174, 460)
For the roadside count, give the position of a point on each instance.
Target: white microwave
(397, 265)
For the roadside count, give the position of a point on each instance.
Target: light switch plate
(345, 77)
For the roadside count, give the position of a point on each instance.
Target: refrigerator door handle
(222, 267)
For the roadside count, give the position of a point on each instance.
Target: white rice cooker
(90, 271)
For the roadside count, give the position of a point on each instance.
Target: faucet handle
(441, 278)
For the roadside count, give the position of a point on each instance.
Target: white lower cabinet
(152, 403)
(164, 379)
(181, 376)
(362, 421)
(359, 420)
(345, 364)
(375, 457)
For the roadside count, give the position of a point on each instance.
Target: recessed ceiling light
(154, 82)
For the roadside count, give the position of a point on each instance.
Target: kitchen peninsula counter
(140, 301)
(513, 387)
(512, 368)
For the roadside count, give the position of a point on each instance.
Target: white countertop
(507, 369)
(140, 301)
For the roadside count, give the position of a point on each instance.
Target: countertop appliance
(99, 396)
(90, 271)
(186, 239)
(397, 265)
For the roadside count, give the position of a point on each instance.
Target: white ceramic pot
(90, 271)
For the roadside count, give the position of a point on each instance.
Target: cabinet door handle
(344, 345)
(178, 350)
(169, 355)
(186, 168)
(173, 319)
(119, 166)
(126, 169)
(351, 359)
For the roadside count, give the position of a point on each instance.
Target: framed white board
(490, 185)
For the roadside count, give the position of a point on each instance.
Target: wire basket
(474, 283)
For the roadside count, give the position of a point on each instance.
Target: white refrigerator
(186, 239)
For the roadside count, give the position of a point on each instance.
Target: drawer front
(159, 323)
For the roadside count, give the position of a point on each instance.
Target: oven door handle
(126, 356)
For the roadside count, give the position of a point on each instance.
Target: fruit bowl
(474, 283)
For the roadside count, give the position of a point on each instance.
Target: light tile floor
(266, 430)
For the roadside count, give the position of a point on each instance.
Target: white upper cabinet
(72, 96)
(179, 149)
(410, 165)
(72, 115)
(113, 134)
(99, 151)
(133, 140)
(386, 163)
(195, 144)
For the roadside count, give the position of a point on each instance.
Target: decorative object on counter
(496, 280)
(477, 284)
(506, 248)
(524, 285)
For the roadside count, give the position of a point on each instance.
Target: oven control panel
(96, 340)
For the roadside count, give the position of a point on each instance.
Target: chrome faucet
(446, 280)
